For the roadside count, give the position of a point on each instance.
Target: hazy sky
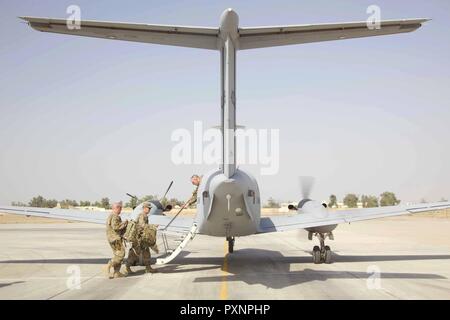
(84, 118)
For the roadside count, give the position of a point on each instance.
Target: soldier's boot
(155, 248)
(149, 269)
(118, 275)
(107, 269)
(128, 270)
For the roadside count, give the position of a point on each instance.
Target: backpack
(131, 232)
(148, 235)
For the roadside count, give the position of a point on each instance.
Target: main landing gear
(321, 254)
(230, 244)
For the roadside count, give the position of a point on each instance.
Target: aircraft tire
(316, 255)
(230, 245)
(327, 258)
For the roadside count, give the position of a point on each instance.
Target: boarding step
(173, 254)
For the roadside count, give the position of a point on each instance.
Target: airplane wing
(261, 37)
(183, 36)
(330, 217)
(179, 225)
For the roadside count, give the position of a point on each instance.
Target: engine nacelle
(156, 209)
(318, 209)
(310, 206)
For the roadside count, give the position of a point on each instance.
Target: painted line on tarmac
(224, 284)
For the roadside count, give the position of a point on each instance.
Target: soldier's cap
(147, 205)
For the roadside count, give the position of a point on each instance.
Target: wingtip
(424, 20)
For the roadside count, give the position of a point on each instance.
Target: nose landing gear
(321, 254)
(230, 244)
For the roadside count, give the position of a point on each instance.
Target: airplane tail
(228, 38)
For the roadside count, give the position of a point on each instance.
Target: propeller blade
(170, 185)
(306, 184)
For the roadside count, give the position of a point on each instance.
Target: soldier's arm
(116, 225)
(193, 198)
(140, 220)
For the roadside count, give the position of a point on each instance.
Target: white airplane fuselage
(228, 207)
(228, 202)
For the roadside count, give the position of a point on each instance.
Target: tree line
(368, 201)
(41, 202)
(351, 200)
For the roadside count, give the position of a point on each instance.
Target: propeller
(168, 207)
(165, 194)
(133, 197)
(306, 184)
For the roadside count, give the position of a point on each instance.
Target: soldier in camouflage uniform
(137, 247)
(114, 231)
(195, 180)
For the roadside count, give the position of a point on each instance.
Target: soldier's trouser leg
(118, 254)
(133, 255)
(146, 256)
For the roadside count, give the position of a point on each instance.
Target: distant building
(91, 208)
(284, 206)
(341, 205)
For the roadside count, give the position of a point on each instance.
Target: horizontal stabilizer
(261, 37)
(192, 37)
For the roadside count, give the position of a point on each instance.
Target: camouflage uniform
(114, 231)
(193, 198)
(138, 248)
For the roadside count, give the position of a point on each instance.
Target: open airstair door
(174, 253)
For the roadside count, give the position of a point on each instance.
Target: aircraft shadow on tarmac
(273, 270)
(290, 278)
(244, 257)
(267, 267)
(60, 261)
(72, 260)
(10, 283)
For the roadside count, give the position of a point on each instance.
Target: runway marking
(224, 285)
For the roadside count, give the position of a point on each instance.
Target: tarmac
(392, 258)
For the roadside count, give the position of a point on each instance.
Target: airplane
(229, 203)
(157, 207)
